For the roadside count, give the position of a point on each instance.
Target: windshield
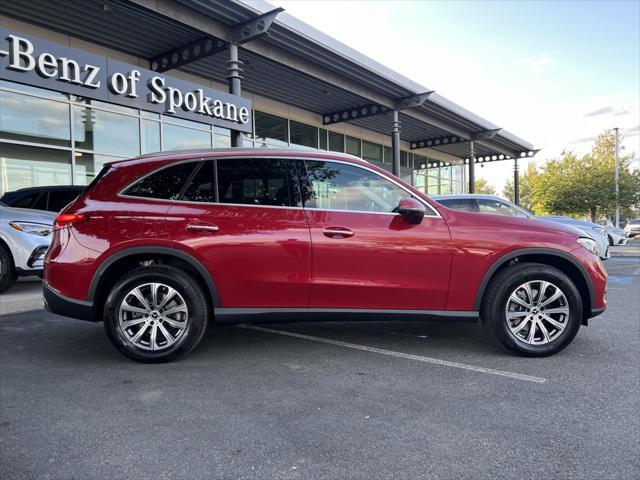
(634, 222)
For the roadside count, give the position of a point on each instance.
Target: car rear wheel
(532, 309)
(7, 271)
(156, 314)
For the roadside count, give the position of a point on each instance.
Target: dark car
(160, 245)
(51, 199)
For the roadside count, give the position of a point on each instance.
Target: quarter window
(256, 181)
(337, 186)
(165, 184)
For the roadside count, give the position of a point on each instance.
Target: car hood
(11, 214)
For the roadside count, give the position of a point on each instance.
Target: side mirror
(412, 210)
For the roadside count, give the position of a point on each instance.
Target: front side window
(338, 186)
(497, 207)
(256, 181)
(165, 184)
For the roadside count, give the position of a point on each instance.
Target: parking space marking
(407, 356)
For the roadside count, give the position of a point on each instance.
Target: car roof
(466, 195)
(302, 152)
(48, 188)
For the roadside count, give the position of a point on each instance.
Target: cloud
(610, 110)
(536, 65)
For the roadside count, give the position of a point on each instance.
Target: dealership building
(84, 82)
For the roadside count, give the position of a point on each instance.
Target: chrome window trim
(121, 193)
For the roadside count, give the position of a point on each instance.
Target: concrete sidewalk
(632, 249)
(24, 296)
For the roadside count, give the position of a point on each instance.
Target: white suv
(24, 239)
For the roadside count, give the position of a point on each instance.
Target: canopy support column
(235, 86)
(395, 144)
(472, 173)
(516, 182)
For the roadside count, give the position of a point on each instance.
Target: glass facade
(51, 138)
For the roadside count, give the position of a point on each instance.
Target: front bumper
(57, 303)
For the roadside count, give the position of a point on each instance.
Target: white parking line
(408, 356)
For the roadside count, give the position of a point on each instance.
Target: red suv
(157, 246)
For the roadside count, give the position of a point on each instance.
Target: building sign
(37, 62)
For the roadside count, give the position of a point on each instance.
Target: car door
(243, 219)
(365, 256)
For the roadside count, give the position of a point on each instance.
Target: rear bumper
(65, 306)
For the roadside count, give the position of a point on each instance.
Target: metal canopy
(137, 28)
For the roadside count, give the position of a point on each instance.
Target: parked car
(24, 239)
(499, 206)
(597, 232)
(159, 245)
(52, 198)
(632, 228)
(617, 236)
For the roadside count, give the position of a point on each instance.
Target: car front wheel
(156, 314)
(532, 309)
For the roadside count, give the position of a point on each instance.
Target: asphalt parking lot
(331, 401)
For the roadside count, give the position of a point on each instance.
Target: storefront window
(372, 151)
(323, 143)
(25, 166)
(352, 146)
(150, 136)
(433, 181)
(88, 165)
(42, 92)
(456, 179)
(271, 129)
(35, 120)
(106, 132)
(445, 180)
(303, 135)
(388, 155)
(336, 142)
(175, 137)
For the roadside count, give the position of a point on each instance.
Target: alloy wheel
(153, 316)
(537, 312)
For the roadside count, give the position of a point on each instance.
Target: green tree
(527, 180)
(482, 186)
(581, 186)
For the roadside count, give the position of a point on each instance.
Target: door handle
(195, 227)
(337, 232)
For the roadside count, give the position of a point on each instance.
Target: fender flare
(171, 252)
(532, 251)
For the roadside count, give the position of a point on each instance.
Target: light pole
(617, 182)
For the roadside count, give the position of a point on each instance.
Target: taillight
(68, 219)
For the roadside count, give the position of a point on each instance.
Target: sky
(555, 73)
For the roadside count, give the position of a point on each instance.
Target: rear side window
(60, 199)
(256, 181)
(28, 201)
(165, 184)
(465, 204)
(202, 187)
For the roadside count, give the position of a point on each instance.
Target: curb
(21, 305)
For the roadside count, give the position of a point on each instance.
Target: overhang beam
(372, 109)
(193, 51)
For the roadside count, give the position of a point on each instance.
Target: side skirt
(278, 315)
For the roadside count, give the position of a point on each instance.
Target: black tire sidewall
(493, 312)
(186, 286)
(7, 270)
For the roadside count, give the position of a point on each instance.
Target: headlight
(589, 243)
(32, 228)
(600, 230)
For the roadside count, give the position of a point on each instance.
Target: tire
(8, 274)
(514, 334)
(186, 326)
